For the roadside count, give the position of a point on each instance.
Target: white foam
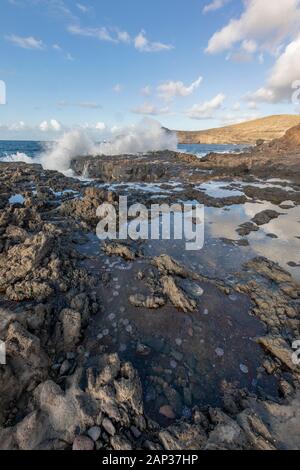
(146, 136)
(17, 157)
(58, 156)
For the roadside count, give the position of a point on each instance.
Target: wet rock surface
(143, 345)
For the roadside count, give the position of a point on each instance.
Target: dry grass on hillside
(268, 128)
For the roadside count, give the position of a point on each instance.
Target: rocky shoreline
(82, 319)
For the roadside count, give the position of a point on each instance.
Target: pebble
(143, 350)
(205, 311)
(220, 352)
(116, 293)
(122, 309)
(136, 432)
(109, 427)
(177, 355)
(105, 332)
(100, 336)
(244, 369)
(65, 367)
(178, 341)
(167, 411)
(198, 291)
(83, 443)
(129, 329)
(94, 433)
(122, 347)
(111, 316)
(173, 364)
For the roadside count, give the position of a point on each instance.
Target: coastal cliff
(267, 129)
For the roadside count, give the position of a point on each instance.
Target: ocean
(204, 149)
(20, 150)
(29, 151)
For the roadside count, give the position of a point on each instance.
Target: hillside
(268, 128)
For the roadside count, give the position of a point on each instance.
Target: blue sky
(99, 65)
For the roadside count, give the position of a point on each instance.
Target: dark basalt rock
(151, 167)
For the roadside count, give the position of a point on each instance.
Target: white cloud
(102, 33)
(285, 71)
(55, 7)
(123, 36)
(142, 44)
(58, 48)
(263, 94)
(149, 109)
(268, 23)
(100, 126)
(168, 90)
(206, 110)
(115, 129)
(49, 129)
(80, 104)
(236, 106)
(252, 105)
(69, 57)
(17, 126)
(239, 57)
(116, 35)
(25, 42)
(82, 8)
(228, 119)
(89, 105)
(215, 5)
(53, 125)
(250, 46)
(44, 126)
(146, 91)
(2, 92)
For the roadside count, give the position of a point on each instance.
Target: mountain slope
(267, 128)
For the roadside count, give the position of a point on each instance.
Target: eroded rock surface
(62, 387)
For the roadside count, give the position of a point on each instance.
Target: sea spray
(17, 157)
(72, 144)
(148, 135)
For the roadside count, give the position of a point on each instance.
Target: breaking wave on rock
(146, 136)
